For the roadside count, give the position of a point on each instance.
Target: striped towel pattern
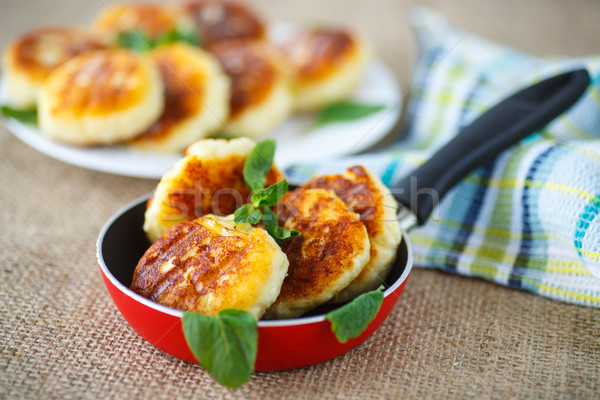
(528, 219)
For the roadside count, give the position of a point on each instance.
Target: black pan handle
(514, 118)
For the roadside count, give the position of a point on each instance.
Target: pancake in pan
(330, 253)
(365, 194)
(208, 265)
(207, 180)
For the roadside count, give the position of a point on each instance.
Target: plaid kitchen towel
(528, 219)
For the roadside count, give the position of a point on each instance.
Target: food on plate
(327, 65)
(365, 194)
(29, 59)
(260, 93)
(196, 99)
(101, 97)
(207, 180)
(270, 76)
(208, 265)
(218, 20)
(151, 19)
(330, 253)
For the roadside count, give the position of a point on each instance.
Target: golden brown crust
(39, 52)
(184, 90)
(317, 54)
(212, 187)
(224, 20)
(251, 70)
(205, 266)
(360, 194)
(155, 282)
(332, 238)
(153, 20)
(209, 179)
(100, 82)
(365, 194)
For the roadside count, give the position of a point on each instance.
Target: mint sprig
(247, 214)
(269, 196)
(345, 111)
(273, 228)
(137, 40)
(350, 320)
(178, 35)
(25, 116)
(225, 345)
(257, 166)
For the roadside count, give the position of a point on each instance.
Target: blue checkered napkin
(528, 219)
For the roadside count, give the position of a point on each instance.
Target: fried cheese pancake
(152, 19)
(365, 194)
(196, 99)
(218, 20)
(208, 265)
(327, 65)
(260, 93)
(29, 59)
(207, 180)
(331, 251)
(101, 97)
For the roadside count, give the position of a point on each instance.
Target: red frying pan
(298, 342)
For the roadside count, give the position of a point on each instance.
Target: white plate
(296, 141)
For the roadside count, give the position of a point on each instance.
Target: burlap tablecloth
(62, 337)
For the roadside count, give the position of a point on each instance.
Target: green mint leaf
(287, 234)
(178, 35)
(26, 116)
(225, 345)
(256, 167)
(258, 164)
(346, 111)
(135, 40)
(350, 320)
(270, 196)
(273, 228)
(247, 213)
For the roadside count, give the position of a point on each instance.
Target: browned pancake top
(197, 259)
(184, 88)
(152, 19)
(224, 20)
(331, 237)
(99, 82)
(212, 187)
(316, 54)
(359, 192)
(252, 72)
(39, 52)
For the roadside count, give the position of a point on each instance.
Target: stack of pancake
(89, 89)
(201, 261)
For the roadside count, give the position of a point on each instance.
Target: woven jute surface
(62, 337)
